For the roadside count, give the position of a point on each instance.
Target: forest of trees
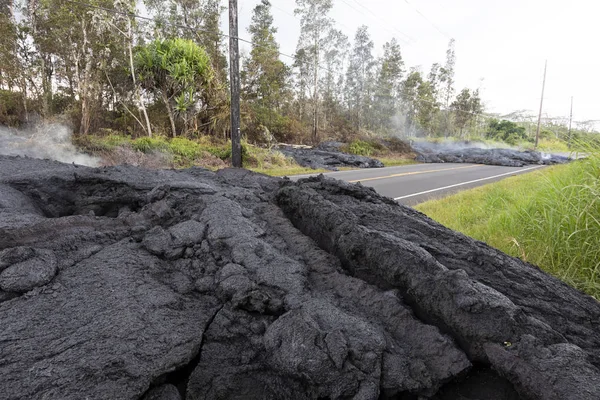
(98, 68)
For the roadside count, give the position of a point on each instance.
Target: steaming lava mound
(463, 153)
(123, 283)
(328, 155)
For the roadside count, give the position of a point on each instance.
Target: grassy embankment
(550, 218)
(161, 152)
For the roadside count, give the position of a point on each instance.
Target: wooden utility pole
(537, 132)
(234, 74)
(315, 92)
(570, 120)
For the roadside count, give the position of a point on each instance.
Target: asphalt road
(413, 184)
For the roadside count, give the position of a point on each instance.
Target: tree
(410, 96)
(198, 20)
(123, 23)
(389, 83)
(178, 71)
(466, 107)
(427, 107)
(264, 76)
(360, 76)
(334, 61)
(312, 44)
(505, 131)
(8, 40)
(71, 49)
(446, 78)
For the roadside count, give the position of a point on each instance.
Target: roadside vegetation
(391, 151)
(102, 72)
(550, 218)
(214, 154)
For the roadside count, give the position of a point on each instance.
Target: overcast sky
(500, 45)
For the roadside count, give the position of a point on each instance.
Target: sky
(501, 46)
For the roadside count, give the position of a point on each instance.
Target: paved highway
(413, 184)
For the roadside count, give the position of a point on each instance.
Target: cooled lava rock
(328, 155)
(448, 153)
(124, 283)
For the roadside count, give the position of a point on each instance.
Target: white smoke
(454, 145)
(403, 129)
(47, 141)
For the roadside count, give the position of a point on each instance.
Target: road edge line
(466, 183)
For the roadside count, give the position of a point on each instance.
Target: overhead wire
(386, 28)
(296, 17)
(410, 38)
(428, 20)
(151, 19)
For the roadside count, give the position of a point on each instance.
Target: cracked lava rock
(124, 283)
(462, 153)
(328, 156)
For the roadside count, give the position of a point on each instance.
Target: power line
(427, 19)
(360, 12)
(296, 17)
(410, 38)
(150, 19)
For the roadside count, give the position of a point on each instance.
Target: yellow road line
(413, 173)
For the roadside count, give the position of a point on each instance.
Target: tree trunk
(165, 100)
(46, 85)
(315, 92)
(138, 93)
(84, 126)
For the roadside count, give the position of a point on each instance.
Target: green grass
(395, 161)
(363, 148)
(186, 153)
(550, 218)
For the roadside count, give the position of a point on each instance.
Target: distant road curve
(413, 184)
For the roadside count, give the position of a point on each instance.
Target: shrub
(506, 131)
(185, 148)
(12, 113)
(150, 144)
(360, 148)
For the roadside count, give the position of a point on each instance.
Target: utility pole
(315, 92)
(234, 74)
(537, 132)
(570, 120)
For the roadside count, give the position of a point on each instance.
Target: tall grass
(550, 218)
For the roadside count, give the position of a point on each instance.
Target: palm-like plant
(179, 72)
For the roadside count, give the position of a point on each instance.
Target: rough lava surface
(465, 153)
(124, 283)
(328, 155)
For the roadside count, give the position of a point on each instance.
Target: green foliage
(506, 131)
(72, 61)
(114, 140)
(550, 218)
(178, 71)
(185, 148)
(369, 147)
(12, 113)
(150, 144)
(360, 148)
(465, 107)
(552, 144)
(359, 79)
(173, 65)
